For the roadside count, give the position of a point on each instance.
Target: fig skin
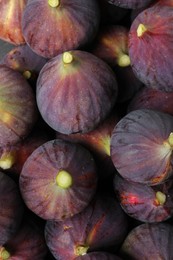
(148, 98)
(47, 190)
(151, 34)
(76, 96)
(28, 243)
(130, 4)
(141, 148)
(10, 22)
(155, 238)
(12, 208)
(18, 107)
(71, 25)
(24, 60)
(145, 203)
(100, 226)
(98, 256)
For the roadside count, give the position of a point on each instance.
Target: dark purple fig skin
(12, 208)
(140, 146)
(98, 256)
(101, 225)
(152, 99)
(98, 143)
(71, 25)
(78, 96)
(142, 202)
(149, 241)
(39, 188)
(131, 4)
(18, 111)
(153, 69)
(10, 23)
(24, 60)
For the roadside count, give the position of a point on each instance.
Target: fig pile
(86, 129)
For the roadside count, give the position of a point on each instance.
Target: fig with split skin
(18, 109)
(12, 208)
(101, 226)
(141, 146)
(10, 21)
(148, 241)
(58, 180)
(150, 47)
(63, 25)
(145, 203)
(75, 92)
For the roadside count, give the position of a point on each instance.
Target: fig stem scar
(67, 57)
(160, 198)
(123, 60)
(81, 250)
(64, 179)
(141, 30)
(54, 3)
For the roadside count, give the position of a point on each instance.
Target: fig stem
(141, 30)
(67, 57)
(7, 161)
(170, 140)
(81, 250)
(123, 60)
(64, 179)
(27, 74)
(54, 3)
(160, 198)
(4, 254)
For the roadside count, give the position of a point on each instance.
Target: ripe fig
(131, 4)
(58, 180)
(141, 146)
(18, 111)
(101, 225)
(151, 34)
(148, 241)
(63, 25)
(75, 92)
(145, 203)
(12, 208)
(152, 99)
(10, 21)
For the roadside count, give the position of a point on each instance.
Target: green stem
(64, 179)
(141, 29)
(54, 3)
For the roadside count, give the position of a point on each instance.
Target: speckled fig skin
(70, 25)
(101, 225)
(150, 36)
(145, 203)
(24, 60)
(28, 242)
(76, 96)
(141, 148)
(149, 241)
(98, 256)
(152, 99)
(18, 109)
(10, 22)
(131, 4)
(38, 183)
(12, 208)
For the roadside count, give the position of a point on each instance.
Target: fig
(28, 243)
(101, 225)
(12, 208)
(130, 4)
(148, 241)
(24, 60)
(10, 21)
(98, 143)
(98, 256)
(141, 146)
(152, 99)
(145, 203)
(18, 111)
(111, 45)
(75, 92)
(63, 25)
(58, 180)
(151, 34)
